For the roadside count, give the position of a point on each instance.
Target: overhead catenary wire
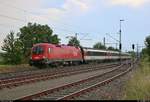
(29, 12)
(36, 13)
(21, 20)
(12, 18)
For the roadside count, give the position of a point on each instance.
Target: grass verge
(138, 88)
(14, 68)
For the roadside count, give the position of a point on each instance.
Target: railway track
(21, 80)
(72, 90)
(11, 75)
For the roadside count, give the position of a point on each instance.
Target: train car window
(114, 54)
(101, 54)
(90, 53)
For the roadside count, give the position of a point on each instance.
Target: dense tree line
(13, 49)
(99, 45)
(74, 42)
(17, 50)
(146, 51)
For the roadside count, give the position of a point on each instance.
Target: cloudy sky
(91, 19)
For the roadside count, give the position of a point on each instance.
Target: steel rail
(30, 97)
(38, 74)
(15, 83)
(36, 71)
(90, 88)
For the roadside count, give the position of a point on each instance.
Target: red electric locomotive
(51, 54)
(48, 54)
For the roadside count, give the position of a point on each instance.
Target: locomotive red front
(45, 53)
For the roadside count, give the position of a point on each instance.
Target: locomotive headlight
(44, 57)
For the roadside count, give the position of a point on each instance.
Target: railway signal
(120, 46)
(133, 46)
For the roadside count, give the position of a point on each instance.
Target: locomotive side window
(49, 50)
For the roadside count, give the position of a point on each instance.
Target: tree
(1, 58)
(55, 39)
(74, 42)
(147, 43)
(144, 52)
(99, 46)
(112, 48)
(36, 33)
(13, 50)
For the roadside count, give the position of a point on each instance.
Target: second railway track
(78, 88)
(21, 80)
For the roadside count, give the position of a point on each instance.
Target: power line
(18, 8)
(12, 18)
(112, 37)
(29, 12)
(17, 19)
(21, 20)
(8, 26)
(4, 25)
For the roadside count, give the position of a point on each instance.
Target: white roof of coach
(94, 50)
(97, 50)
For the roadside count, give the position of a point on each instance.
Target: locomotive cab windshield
(38, 50)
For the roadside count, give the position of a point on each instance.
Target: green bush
(138, 87)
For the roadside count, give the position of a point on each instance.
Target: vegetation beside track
(138, 88)
(1, 59)
(14, 68)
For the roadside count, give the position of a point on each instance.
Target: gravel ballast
(112, 91)
(8, 94)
